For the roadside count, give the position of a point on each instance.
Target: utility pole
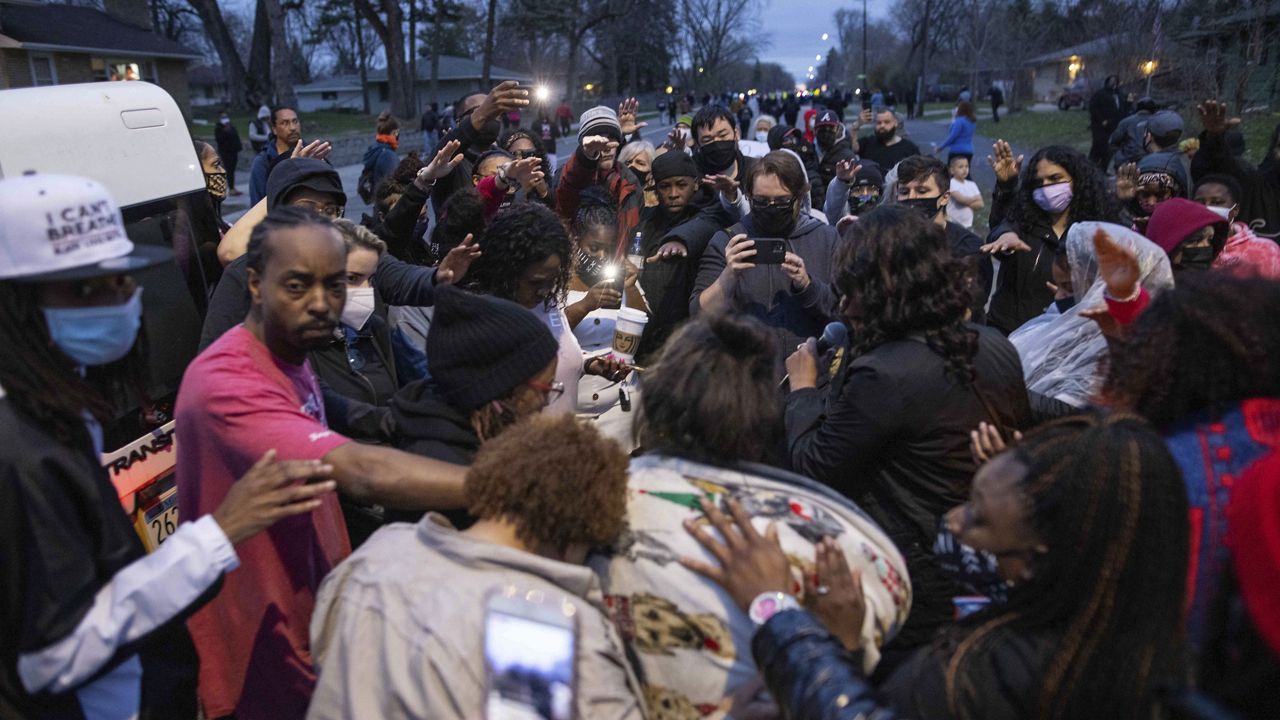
(924, 56)
(863, 84)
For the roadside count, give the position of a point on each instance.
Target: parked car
(1074, 95)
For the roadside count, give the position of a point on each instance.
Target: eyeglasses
(550, 393)
(522, 154)
(331, 210)
(762, 203)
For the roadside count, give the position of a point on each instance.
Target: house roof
(452, 68)
(1093, 46)
(1217, 25)
(68, 28)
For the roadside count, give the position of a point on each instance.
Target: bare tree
(389, 26)
(281, 65)
(718, 33)
(215, 27)
(490, 18)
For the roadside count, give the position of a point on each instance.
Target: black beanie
(672, 163)
(479, 347)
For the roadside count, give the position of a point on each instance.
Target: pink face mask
(1053, 198)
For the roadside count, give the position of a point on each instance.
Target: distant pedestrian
(260, 129)
(997, 99)
(564, 114)
(430, 129)
(1106, 108)
(911, 103)
(229, 146)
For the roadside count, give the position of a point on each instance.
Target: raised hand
(269, 492)
(455, 264)
(1214, 118)
(507, 96)
(1127, 181)
(836, 596)
(316, 150)
(445, 160)
(1004, 163)
(847, 170)
(1008, 242)
(627, 116)
(1117, 266)
(724, 185)
(526, 172)
(596, 145)
(668, 250)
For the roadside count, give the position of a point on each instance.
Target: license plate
(159, 519)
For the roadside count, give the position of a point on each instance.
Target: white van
(131, 137)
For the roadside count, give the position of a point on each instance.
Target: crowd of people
(753, 408)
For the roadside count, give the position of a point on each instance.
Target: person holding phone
(776, 263)
(405, 628)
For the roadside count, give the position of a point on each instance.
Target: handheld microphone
(835, 334)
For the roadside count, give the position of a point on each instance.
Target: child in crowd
(965, 195)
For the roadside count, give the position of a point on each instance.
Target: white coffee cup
(627, 330)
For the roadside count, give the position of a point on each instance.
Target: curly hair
(1090, 199)
(408, 169)
(1103, 487)
(713, 368)
(462, 214)
(1208, 343)
(557, 479)
(898, 278)
(520, 236)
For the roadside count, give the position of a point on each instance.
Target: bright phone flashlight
(541, 93)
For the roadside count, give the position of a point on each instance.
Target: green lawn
(1028, 130)
(1257, 134)
(325, 123)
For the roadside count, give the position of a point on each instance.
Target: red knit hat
(1253, 517)
(1176, 218)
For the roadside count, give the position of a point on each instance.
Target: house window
(124, 69)
(42, 70)
(329, 95)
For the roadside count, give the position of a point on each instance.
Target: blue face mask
(96, 335)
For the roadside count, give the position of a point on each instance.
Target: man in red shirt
(253, 390)
(564, 114)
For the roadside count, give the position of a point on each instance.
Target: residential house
(458, 75)
(46, 43)
(1242, 51)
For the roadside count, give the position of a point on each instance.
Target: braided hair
(1107, 500)
(1208, 343)
(40, 380)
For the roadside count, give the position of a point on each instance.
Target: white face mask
(1222, 212)
(762, 136)
(358, 308)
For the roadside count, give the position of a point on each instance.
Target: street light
(825, 36)
(1148, 68)
(588, 87)
(670, 89)
(700, 70)
(817, 57)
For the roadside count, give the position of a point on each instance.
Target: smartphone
(530, 647)
(769, 251)
(866, 103)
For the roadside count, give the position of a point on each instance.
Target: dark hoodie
(1260, 186)
(381, 159)
(424, 424)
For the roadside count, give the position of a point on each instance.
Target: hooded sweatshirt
(381, 158)
(426, 425)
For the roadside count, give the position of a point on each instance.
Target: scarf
(391, 140)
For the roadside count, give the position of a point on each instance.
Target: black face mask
(827, 138)
(1065, 304)
(718, 155)
(1195, 259)
(642, 177)
(925, 206)
(773, 220)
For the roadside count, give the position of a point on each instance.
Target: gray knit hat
(479, 348)
(600, 120)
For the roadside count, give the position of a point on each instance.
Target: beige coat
(398, 628)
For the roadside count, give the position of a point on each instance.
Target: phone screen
(769, 251)
(530, 667)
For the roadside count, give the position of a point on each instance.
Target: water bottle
(635, 255)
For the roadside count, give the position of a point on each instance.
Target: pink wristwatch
(767, 604)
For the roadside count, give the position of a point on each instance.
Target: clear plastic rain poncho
(1062, 352)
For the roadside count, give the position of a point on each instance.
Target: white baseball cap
(62, 227)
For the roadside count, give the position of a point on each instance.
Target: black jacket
(363, 369)
(424, 424)
(63, 535)
(892, 434)
(842, 150)
(1260, 186)
(967, 247)
(1021, 292)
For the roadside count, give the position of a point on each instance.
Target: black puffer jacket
(892, 434)
(841, 151)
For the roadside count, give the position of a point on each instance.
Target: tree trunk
(572, 70)
(363, 63)
(413, 54)
(281, 66)
(391, 32)
(435, 51)
(220, 37)
(485, 79)
(259, 79)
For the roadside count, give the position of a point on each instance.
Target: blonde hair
(355, 235)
